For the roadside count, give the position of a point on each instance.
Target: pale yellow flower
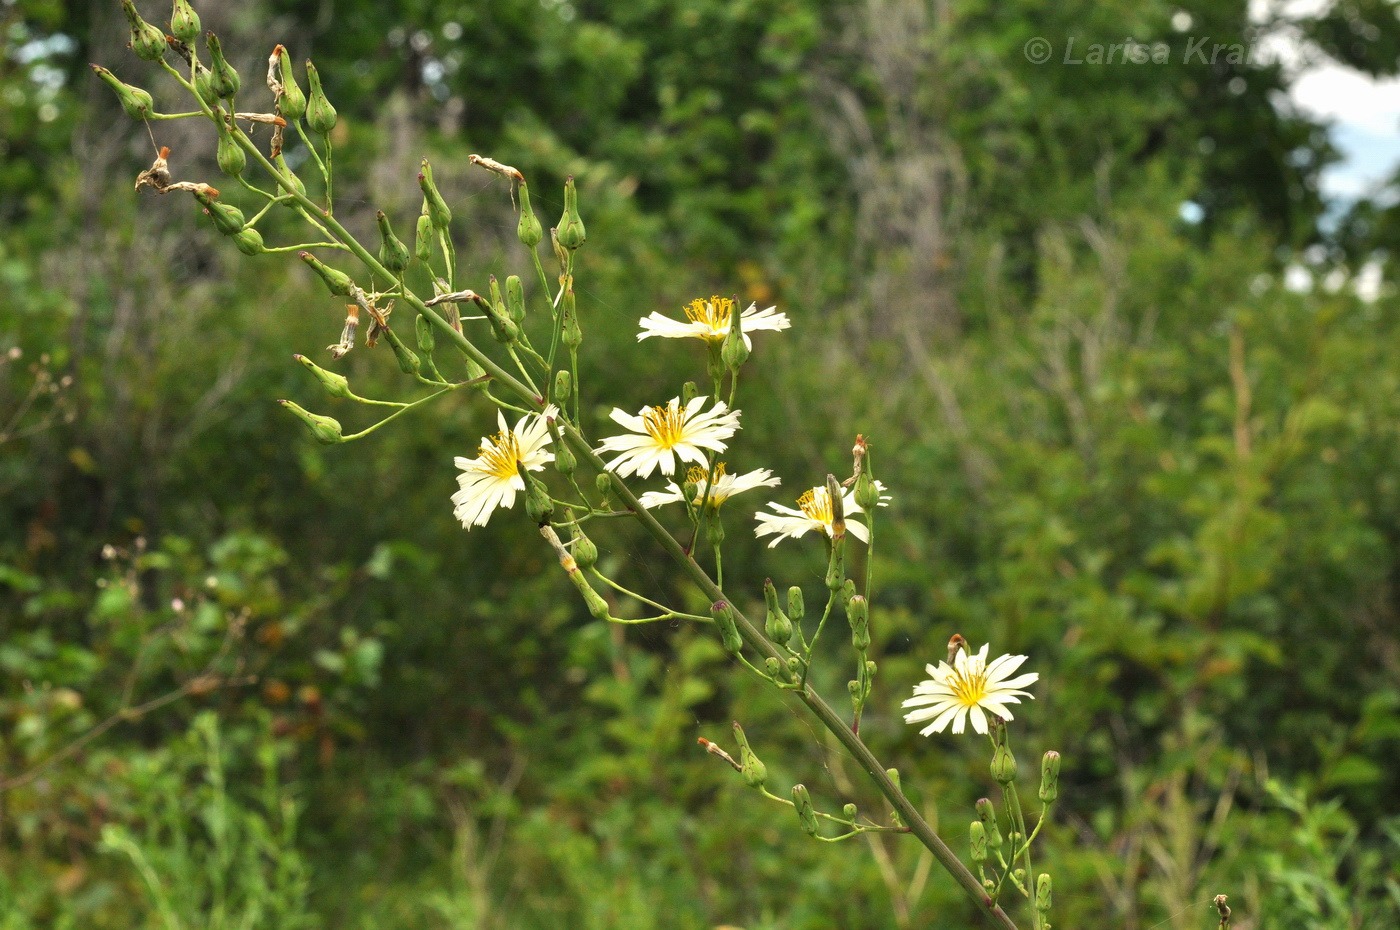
(491, 480)
(710, 320)
(969, 687)
(661, 435)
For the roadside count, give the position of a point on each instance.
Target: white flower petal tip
(814, 513)
(970, 687)
(725, 486)
(491, 480)
(710, 320)
(659, 436)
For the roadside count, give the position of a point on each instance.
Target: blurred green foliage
(251, 681)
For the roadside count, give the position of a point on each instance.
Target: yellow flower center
(500, 459)
(665, 424)
(816, 504)
(969, 683)
(698, 475)
(714, 313)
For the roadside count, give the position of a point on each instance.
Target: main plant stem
(755, 638)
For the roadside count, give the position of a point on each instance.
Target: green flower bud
(515, 298)
(326, 430)
(585, 550)
(736, 351)
(849, 812)
(530, 231)
(894, 777)
(597, 607)
(223, 79)
(393, 254)
(502, 326)
(753, 770)
(320, 115)
(1003, 765)
(977, 835)
(203, 80)
(1044, 892)
(856, 691)
(537, 503)
(337, 282)
(433, 204)
(227, 218)
(475, 374)
(836, 566)
(723, 616)
(848, 590)
(603, 482)
(249, 241)
(497, 301)
(794, 665)
(573, 333)
(1049, 777)
(292, 103)
(427, 337)
(229, 153)
(571, 231)
(867, 491)
(286, 172)
(796, 608)
(408, 360)
(135, 101)
(858, 613)
(838, 507)
(336, 385)
(714, 530)
(806, 814)
(689, 391)
(423, 237)
(777, 626)
(771, 666)
(987, 815)
(564, 459)
(147, 41)
(184, 22)
(563, 389)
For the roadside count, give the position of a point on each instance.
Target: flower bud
(867, 493)
(427, 337)
(987, 814)
(689, 391)
(1044, 892)
(563, 389)
(184, 22)
(530, 231)
(393, 254)
(337, 282)
(838, 507)
(423, 237)
(502, 326)
(848, 590)
(736, 351)
(977, 835)
(537, 503)
(597, 607)
(777, 626)
(849, 812)
(285, 170)
(249, 241)
(585, 550)
(222, 78)
(147, 41)
(794, 665)
(515, 298)
(433, 204)
(227, 218)
(135, 101)
(836, 566)
(326, 430)
(858, 613)
(335, 384)
(497, 301)
(714, 531)
(797, 609)
(571, 231)
(806, 814)
(408, 360)
(573, 333)
(564, 460)
(1049, 777)
(771, 666)
(292, 103)
(320, 115)
(750, 766)
(603, 483)
(1003, 765)
(723, 616)
(229, 153)
(203, 80)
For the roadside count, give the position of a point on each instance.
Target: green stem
(645, 600)
(398, 413)
(807, 659)
(307, 245)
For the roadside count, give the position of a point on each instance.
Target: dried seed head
(490, 164)
(158, 175)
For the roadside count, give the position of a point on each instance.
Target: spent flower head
(968, 687)
(724, 487)
(710, 320)
(661, 435)
(492, 479)
(813, 512)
